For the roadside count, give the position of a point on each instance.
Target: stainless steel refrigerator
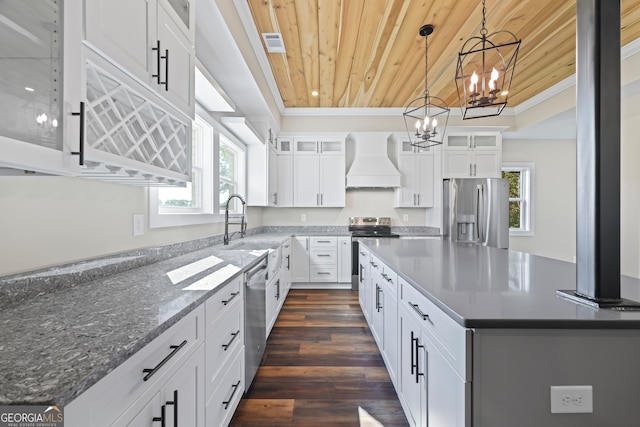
(476, 211)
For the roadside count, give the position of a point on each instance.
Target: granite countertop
(484, 287)
(57, 344)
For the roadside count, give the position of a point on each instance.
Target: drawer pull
(233, 295)
(417, 310)
(362, 253)
(323, 255)
(387, 278)
(228, 401)
(323, 272)
(174, 350)
(233, 337)
(323, 241)
(373, 264)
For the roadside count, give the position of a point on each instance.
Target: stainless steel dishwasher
(255, 323)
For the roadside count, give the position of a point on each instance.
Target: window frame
(526, 199)
(210, 211)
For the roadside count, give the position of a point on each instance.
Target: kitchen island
(485, 338)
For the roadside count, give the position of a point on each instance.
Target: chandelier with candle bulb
(426, 117)
(484, 72)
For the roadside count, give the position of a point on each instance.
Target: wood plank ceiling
(368, 53)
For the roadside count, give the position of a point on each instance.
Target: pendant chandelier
(426, 117)
(485, 68)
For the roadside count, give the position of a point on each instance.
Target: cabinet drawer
(376, 265)
(323, 273)
(221, 301)
(226, 336)
(110, 396)
(318, 241)
(451, 339)
(225, 398)
(323, 256)
(390, 280)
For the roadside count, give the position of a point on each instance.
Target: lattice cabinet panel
(123, 123)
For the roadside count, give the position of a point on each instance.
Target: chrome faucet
(240, 219)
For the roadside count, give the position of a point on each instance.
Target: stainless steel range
(366, 226)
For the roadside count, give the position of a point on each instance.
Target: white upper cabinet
(105, 121)
(319, 173)
(476, 154)
(416, 167)
(150, 41)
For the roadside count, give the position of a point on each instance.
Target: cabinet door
(271, 305)
(412, 386)
(306, 146)
(456, 164)
(332, 181)
(146, 415)
(121, 29)
(390, 334)
(406, 194)
(425, 184)
(344, 259)
(378, 312)
(300, 259)
(486, 141)
(457, 142)
(177, 72)
(331, 146)
(307, 181)
(285, 181)
(186, 390)
(487, 164)
(448, 395)
(272, 181)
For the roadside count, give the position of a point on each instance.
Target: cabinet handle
(373, 264)
(80, 152)
(288, 262)
(233, 337)
(233, 295)
(417, 310)
(323, 255)
(278, 289)
(162, 417)
(414, 355)
(324, 241)
(275, 199)
(418, 373)
(378, 305)
(475, 169)
(321, 199)
(158, 57)
(362, 253)
(166, 70)
(418, 204)
(323, 272)
(228, 401)
(174, 402)
(175, 349)
(470, 174)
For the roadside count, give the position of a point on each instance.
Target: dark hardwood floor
(321, 368)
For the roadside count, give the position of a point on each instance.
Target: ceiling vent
(273, 42)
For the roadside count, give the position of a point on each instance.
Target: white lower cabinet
(321, 259)
(274, 297)
(427, 354)
(191, 375)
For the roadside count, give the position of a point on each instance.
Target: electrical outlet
(405, 218)
(571, 399)
(138, 224)
(303, 218)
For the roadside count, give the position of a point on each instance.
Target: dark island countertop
(57, 344)
(484, 287)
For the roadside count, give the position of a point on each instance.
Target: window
(520, 176)
(228, 172)
(217, 171)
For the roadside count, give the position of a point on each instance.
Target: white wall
(47, 221)
(554, 196)
(630, 187)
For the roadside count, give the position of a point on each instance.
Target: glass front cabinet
(70, 109)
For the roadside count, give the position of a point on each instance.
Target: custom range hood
(371, 167)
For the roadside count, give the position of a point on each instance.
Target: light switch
(138, 224)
